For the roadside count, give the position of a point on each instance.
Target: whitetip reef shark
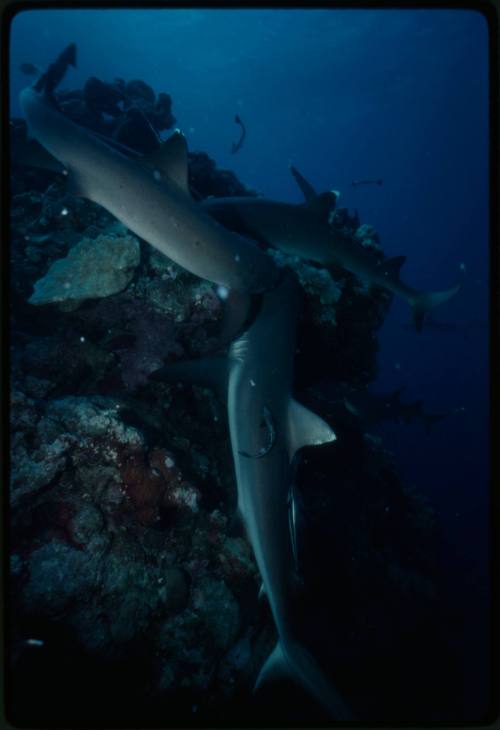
(260, 373)
(266, 424)
(150, 196)
(305, 231)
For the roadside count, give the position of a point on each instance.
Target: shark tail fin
(424, 302)
(293, 662)
(51, 79)
(393, 266)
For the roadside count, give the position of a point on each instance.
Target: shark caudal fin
(51, 79)
(423, 302)
(295, 663)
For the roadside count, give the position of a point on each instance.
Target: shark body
(257, 374)
(149, 196)
(304, 231)
(260, 377)
(267, 426)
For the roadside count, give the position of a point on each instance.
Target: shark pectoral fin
(423, 302)
(171, 159)
(392, 266)
(32, 154)
(211, 372)
(322, 205)
(306, 428)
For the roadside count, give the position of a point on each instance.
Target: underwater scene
(249, 368)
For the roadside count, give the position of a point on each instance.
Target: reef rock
(318, 284)
(94, 268)
(368, 237)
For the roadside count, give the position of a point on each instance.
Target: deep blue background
(346, 94)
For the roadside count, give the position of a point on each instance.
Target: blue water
(346, 94)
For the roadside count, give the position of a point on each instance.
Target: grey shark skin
(255, 379)
(260, 377)
(151, 199)
(260, 369)
(304, 231)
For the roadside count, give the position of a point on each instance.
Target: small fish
(355, 183)
(239, 144)
(29, 69)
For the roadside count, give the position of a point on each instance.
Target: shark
(375, 407)
(149, 195)
(305, 231)
(464, 327)
(267, 427)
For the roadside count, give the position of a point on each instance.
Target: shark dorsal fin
(171, 159)
(322, 205)
(393, 266)
(307, 189)
(306, 428)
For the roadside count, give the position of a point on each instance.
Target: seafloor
(133, 597)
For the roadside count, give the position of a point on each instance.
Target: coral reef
(130, 588)
(94, 268)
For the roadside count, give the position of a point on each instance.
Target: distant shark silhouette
(464, 327)
(29, 69)
(373, 408)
